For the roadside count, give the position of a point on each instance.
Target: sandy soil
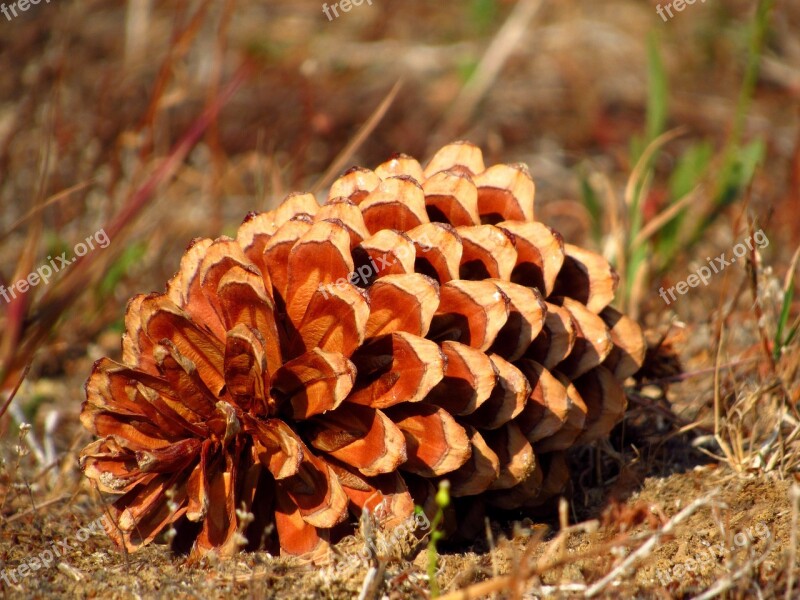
(109, 102)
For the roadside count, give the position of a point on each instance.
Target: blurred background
(658, 141)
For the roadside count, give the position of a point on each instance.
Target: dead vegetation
(166, 123)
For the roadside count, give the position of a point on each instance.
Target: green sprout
(442, 502)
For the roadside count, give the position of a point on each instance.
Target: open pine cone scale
(419, 325)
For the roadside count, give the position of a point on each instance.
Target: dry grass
(166, 121)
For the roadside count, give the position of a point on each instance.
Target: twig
(487, 70)
(479, 589)
(558, 545)
(718, 406)
(646, 548)
(14, 391)
(698, 373)
(55, 198)
(374, 576)
(30, 439)
(664, 217)
(355, 143)
(548, 591)
(506, 582)
(28, 511)
(723, 585)
(68, 569)
(138, 19)
(683, 424)
(114, 522)
(372, 581)
(644, 160)
(492, 548)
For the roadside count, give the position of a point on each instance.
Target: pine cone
(420, 325)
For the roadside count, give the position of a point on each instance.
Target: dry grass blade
(644, 160)
(359, 138)
(55, 198)
(17, 309)
(90, 267)
(481, 589)
(647, 548)
(556, 556)
(664, 217)
(700, 372)
(38, 507)
(180, 44)
(14, 391)
(637, 186)
(726, 583)
(723, 444)
(788, 282)
(137, 23)
(487, 71)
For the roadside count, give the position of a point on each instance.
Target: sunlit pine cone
(420, 325)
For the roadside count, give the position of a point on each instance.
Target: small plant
(442, 502)
(128, 259)
(785, 334)
(647, 239)
(483, 14)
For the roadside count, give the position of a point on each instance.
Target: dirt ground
(94, 96)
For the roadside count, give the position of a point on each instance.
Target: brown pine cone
(419, 325)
